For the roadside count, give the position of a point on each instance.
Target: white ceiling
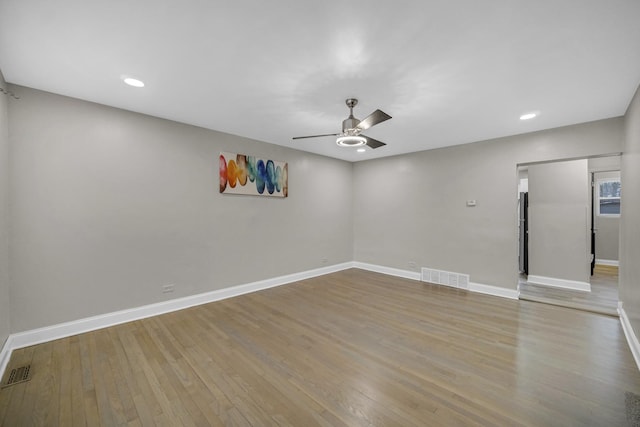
(449, 72)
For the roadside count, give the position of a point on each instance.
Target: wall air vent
(446, 278)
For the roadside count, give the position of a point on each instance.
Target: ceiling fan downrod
(349, 125)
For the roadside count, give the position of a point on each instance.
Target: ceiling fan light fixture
(351, 128)
(351, 141)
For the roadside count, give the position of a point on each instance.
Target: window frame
(598, 197)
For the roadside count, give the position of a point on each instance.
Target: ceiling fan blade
(315, 136)
(373, 143)
(373, 119)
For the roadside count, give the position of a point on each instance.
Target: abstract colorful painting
(242, 174)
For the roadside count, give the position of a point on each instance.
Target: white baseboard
(559, 283)
(414, 275)
(63, 330)
(612, 262)
(632, 338)
(494, 290)
(473, 287)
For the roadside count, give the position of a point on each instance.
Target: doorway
(576, 270)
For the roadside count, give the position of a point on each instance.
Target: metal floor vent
(18, 375)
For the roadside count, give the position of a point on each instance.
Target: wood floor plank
(353, 348)
(168, 397)
(62, 352)
(76, 392)
(109, 408)
(89, 397)
(124, 378)
(185, 375)
(41, 389)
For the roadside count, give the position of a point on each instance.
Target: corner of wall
(5, 327)
(629, 247)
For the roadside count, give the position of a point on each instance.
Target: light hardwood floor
(352, 348)
(603, 297)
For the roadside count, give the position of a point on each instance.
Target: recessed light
(528, 116)
(133, 82)
(361, 150)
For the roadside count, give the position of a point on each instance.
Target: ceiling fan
(351, 135)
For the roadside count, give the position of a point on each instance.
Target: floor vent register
(18, 375)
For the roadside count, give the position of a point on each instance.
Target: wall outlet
(412, 264)
(168, 288)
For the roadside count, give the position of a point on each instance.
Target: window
(608, 197)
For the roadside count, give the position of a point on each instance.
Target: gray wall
(411, 208)
(630, 217)
(559, 214)
(607, 227)
(4, 213)
(108, 206)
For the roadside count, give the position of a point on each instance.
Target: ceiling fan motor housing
(349, 126)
